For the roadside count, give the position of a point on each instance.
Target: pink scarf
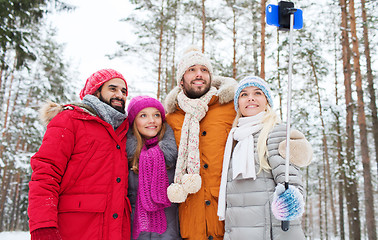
(152, 191)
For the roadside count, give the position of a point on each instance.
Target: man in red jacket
(78, 188)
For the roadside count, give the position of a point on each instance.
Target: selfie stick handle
(285, 224)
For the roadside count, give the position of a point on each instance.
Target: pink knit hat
(97, 79)
(141, 102)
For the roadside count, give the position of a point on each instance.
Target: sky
(90, 32)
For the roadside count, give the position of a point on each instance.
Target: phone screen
(272, 17)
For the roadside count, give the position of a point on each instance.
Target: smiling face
(148, 122)
(252, 101)
(113, 93)
(196, 81)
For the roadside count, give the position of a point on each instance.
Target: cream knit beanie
(192, 56)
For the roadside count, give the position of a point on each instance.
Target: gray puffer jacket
(169, 148)
(248, 211)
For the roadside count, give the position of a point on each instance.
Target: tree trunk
(255, 41)
(340, 160)
(320, 204)
(174, 47)
(279, 74)
(160, 48)
(23, 120)
(203, 25)
(14, 205)
(4, 193)
(350, 180)
(234, 70)
(2, 70)
(341, 179)
(167, 73)
(306, 215)
(368, 188)
(262, 44)
(311, 220)
(326, 208)
(3, 136)
(17, 217)
(370, 78)
(325, 147)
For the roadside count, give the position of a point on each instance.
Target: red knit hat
(97, 79)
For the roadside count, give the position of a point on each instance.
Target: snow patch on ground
(14, 235)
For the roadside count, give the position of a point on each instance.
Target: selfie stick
(285, 224)
(282, 16)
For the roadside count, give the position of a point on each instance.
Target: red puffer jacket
(79, 179)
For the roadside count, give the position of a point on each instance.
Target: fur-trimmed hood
(225, 91)
(167, 145)
(50, 109)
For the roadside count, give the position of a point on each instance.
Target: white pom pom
(176, 193)
(191, 183)
(192, 48)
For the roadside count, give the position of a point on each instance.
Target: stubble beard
(193, 93)
(118, 108)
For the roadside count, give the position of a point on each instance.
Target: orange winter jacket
(198, 214)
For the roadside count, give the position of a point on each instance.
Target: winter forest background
(334, 89)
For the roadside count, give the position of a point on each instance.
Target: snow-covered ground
(26, 236)
(14, 235)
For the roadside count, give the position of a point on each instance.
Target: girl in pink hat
(152, 155)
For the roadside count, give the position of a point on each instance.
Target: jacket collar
(49, 110)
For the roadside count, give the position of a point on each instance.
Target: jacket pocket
(82, 203)
(82, 216)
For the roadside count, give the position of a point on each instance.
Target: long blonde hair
(269, 121)
(134, 161)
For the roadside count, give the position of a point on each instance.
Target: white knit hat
(192, 56)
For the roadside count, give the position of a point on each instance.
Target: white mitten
(176, 193)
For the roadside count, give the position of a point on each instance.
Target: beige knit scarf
(187, 178)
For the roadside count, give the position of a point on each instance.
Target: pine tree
(368, 188)
(26, 83)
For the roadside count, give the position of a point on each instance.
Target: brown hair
(134, 160)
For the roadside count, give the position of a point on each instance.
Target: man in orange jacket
(200, 111)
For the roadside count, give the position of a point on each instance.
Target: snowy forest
(334, 89)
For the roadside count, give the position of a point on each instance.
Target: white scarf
(188, 160)
(243, 161)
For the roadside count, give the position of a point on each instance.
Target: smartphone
(273, 17)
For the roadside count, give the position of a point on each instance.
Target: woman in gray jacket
(152, 154)
(254, 171)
